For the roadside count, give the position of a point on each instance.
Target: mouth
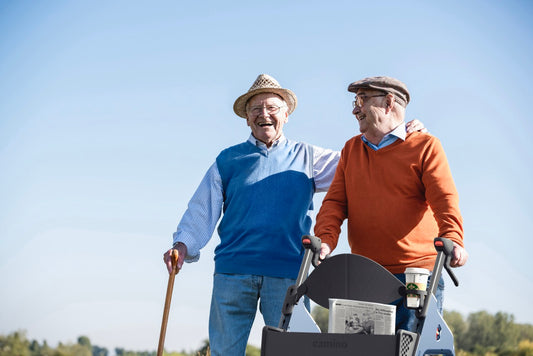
(264, 124)
(361, 117)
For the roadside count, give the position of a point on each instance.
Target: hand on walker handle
(459, 256)
(325, 250)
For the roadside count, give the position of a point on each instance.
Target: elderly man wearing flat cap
(264, 187)
(395, 189)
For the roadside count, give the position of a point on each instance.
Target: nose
(356, 110)
(263, 112)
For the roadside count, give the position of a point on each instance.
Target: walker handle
(312, 243)
(311, 246)
(446, 246)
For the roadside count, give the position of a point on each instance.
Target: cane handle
(174, 255)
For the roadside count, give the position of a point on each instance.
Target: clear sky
(112, 111)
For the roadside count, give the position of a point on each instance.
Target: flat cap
(385, 84)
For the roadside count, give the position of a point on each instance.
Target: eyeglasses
(360, 100)
(271, 109)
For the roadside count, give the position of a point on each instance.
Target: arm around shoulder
(324, 165)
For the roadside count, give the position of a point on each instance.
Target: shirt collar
(398, 133)
(258, 143)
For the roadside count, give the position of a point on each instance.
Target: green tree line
(479, 334)
(17, 344)
(484, 334)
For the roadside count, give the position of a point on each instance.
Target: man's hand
(324, 251)
(415, 125)
(182, 252)
(459, 256)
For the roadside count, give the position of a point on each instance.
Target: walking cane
(174, 258)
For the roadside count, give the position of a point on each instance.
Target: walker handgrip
(445, 245)
(312, 243)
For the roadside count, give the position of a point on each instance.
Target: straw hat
(264, 84)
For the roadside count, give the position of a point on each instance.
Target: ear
(286, 117)
(389, 102)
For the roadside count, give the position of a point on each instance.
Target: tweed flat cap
(265, 84)
(385, 84)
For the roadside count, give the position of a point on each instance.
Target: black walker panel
(277, 342)
(350, 276)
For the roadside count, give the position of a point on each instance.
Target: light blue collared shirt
(398, 133)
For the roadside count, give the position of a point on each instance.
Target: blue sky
(111, 112)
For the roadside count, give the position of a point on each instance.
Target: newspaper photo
(357, 317)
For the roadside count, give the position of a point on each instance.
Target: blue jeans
(406, 318)
(234, 305)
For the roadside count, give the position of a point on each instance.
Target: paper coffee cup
(415, 279)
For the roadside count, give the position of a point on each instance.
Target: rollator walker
(351, 276)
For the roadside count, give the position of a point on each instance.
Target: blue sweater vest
(267, 198)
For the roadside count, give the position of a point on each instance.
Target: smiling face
(373, 116)
(367, 114)
(261, 116)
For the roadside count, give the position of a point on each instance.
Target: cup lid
(416, 270)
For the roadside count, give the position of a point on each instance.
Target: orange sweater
(396, 199)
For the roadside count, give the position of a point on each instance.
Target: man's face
(370, 115)
(264, 118)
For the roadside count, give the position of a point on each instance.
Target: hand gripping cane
(174, 258)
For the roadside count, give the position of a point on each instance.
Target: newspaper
(357, 317)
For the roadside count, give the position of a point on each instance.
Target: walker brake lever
(449, 270)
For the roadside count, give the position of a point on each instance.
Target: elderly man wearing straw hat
(395, 189)
(264, 187)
